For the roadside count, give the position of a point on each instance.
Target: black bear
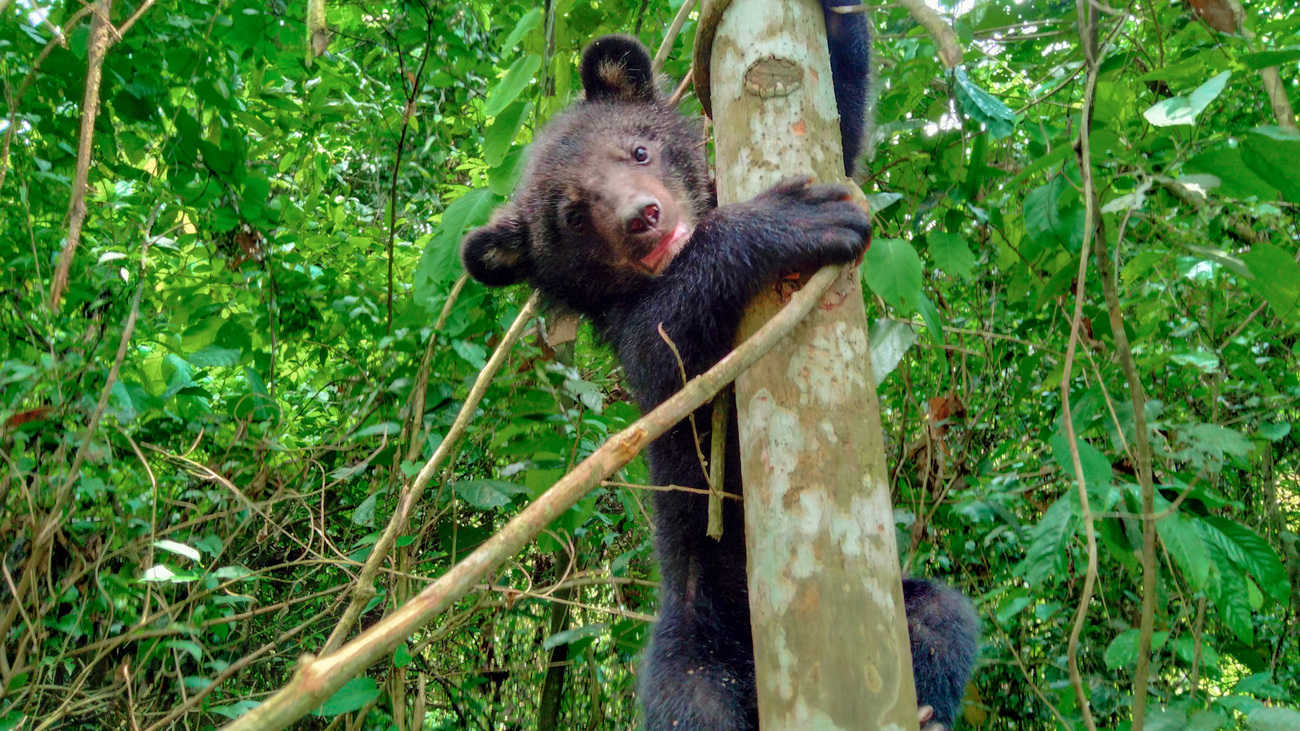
(616, 219)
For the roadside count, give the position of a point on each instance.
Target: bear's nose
(642, 214)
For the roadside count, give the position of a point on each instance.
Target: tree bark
(830, 635)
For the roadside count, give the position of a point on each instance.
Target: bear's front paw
(827, 226)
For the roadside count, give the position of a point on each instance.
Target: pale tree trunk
(830, 635)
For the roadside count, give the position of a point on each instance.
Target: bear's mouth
(667, 249)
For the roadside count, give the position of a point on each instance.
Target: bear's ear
(617, 68)
(498, 254)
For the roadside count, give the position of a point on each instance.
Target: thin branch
(670, 37)
(363, 591)
(100, 40)
(1087, 31)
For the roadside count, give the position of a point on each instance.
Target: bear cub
(616, 219)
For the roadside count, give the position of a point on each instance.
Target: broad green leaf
(572, 635)
(1277, 277)
(235, 710)
(893, 271)
(881, 201)
(1264, 59)
(933, 326)
(402, 656)
(488, 494)
(163, 574)
(531, 20)
(983, 107)
(951, 253)
(503, 178)
(440, 261)
(1210, 445)
(1256, 556)
(1236, 178)
(1230, 596)
(508, 88)
(501, 133)
(193, 648)
(180, 549)
(355, 694)
(1274, 155)
(1262, 684)
(1275, 719)
(890, 341)
(1123, 650)
(1097, 472)
(1185, 544)
(1275, 431)
(1166, 719)
(1185, 650)
(1184, 110)
(364, 514)
(1048, 542)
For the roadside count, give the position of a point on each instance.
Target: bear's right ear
(498, 254)
(618, 68)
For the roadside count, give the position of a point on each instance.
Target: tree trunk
(830, 635)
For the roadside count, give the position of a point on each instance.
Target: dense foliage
(261, 341)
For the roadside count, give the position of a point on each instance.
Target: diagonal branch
(317, 679)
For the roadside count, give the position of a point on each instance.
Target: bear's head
(613, 189)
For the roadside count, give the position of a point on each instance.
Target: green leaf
(1275, 431)
(355, 694)
(1230, 596)
(402, 656)
(1277, 277)
(530, 20)
(1264, 59)
(1274, 155)
(984, 108)
(488, 494)
(440, 261)
(890, 341)
(1123, 650)
(1184, 110)
(517, 77)
(1236, 179)
(503, 178)
(1274, 719)
(1186, 546)
(572, 635)
(193, 648)
(933, 326)
(1097, 472)
(1256, 556)
(893, 271)
(951, 253)
(1185, 650)
(881, 201)
(501, 133)
(1262, 684)
(180, 549)
(1047, 543)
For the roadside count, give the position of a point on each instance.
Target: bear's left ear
(498, 254)
(618, 68)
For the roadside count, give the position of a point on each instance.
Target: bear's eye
(641, 155)
(574, 218)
